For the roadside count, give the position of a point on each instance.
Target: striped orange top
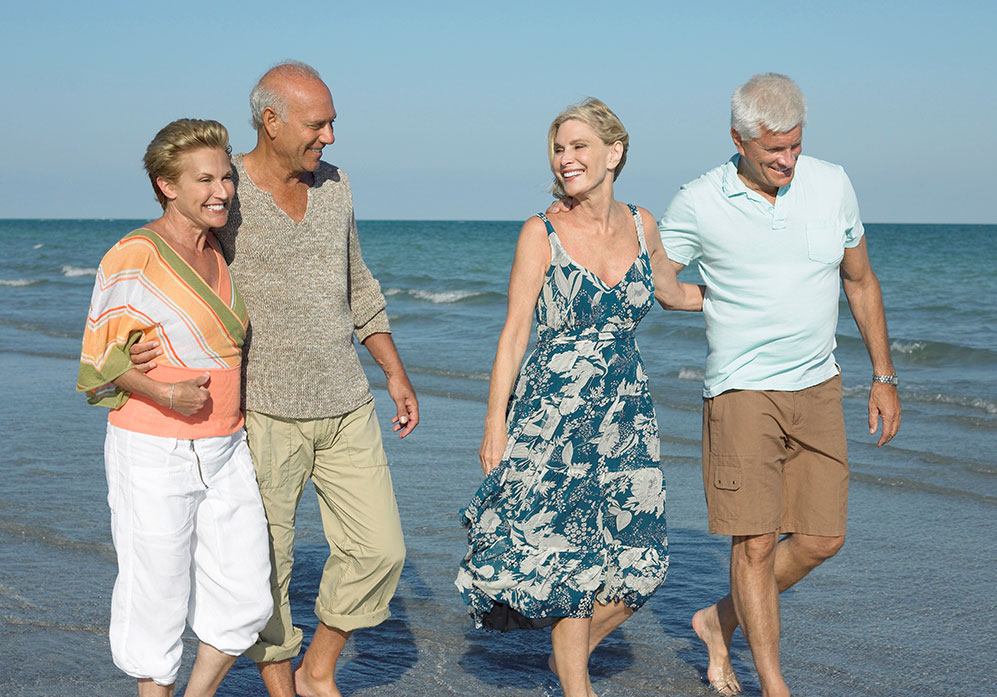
(145, 291)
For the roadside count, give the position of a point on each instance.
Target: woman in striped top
(186, 516)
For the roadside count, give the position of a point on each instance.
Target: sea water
(907, 606)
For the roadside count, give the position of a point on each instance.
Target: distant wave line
(933, 458)
(988, 406)
(903, 483)
(41, 354)
(680, 460)
(19, 282)
(937, 351)
(10, 593)
(978, 403)
(672, 439)
(47, 331)
(445, 394)
(84, 628)
(476, 376)
(925, 351)
(53, 538)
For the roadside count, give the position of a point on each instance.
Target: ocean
(907, 606)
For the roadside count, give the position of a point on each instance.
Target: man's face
(308, 129)
(769, 161)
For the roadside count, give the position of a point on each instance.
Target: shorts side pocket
(727, 473)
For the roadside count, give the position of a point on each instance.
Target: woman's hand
(189, 396)
(526, 280)
(143, 354)
(492, 447)
(562, 205)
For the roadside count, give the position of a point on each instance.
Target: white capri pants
(191, 538)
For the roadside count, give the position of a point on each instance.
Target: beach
(899, 610)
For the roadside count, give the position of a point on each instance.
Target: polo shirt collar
(732, 185)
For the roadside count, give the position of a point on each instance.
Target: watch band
(888, 379)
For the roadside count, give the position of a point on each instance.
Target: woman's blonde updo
(601, 119)
(164, 156)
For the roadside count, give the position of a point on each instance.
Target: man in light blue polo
(773, 232)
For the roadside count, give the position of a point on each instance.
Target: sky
(443, 107)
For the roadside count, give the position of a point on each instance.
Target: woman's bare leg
(147, 688)
(570, 639)
(210, 667)
(605, 620)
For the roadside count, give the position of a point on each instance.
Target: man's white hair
(768, 100)
(265, 95)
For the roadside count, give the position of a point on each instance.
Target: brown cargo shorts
(776, 461)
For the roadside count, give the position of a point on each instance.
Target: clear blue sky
(444, 106)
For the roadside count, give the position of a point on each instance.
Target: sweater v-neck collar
(237, 160)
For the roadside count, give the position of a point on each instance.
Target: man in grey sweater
(293, 251)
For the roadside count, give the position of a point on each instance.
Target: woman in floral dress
(568, 528)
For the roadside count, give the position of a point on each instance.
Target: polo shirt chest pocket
(825, 242)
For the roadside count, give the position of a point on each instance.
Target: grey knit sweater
(308, 292)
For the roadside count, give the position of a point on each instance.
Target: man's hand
(382, 350)
(142, 355)
(884, 402)
(401, 392)
(562, 205)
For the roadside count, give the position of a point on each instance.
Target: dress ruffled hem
(564, 589)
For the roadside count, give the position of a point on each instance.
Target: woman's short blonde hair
(601, 119)
(164, 156)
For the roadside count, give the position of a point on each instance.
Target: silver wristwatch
(888, 379)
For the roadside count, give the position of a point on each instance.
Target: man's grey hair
(264, 95)
(768, 100)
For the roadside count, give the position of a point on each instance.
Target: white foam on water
(72, 271)
(907, 347)
(17, 282)
(39, 245)
(687, 373)
(443, 297)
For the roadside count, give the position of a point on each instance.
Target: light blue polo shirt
(771, 272)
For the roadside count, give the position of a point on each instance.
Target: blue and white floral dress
(575, 512)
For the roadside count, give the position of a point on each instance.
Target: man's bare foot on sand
(313, 686)
(719, 672)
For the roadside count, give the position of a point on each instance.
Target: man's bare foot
(309, 686)
(719, 672)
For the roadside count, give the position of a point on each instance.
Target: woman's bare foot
(719, 672)
(552, 664)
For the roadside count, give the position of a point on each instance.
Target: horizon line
(436, 220)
